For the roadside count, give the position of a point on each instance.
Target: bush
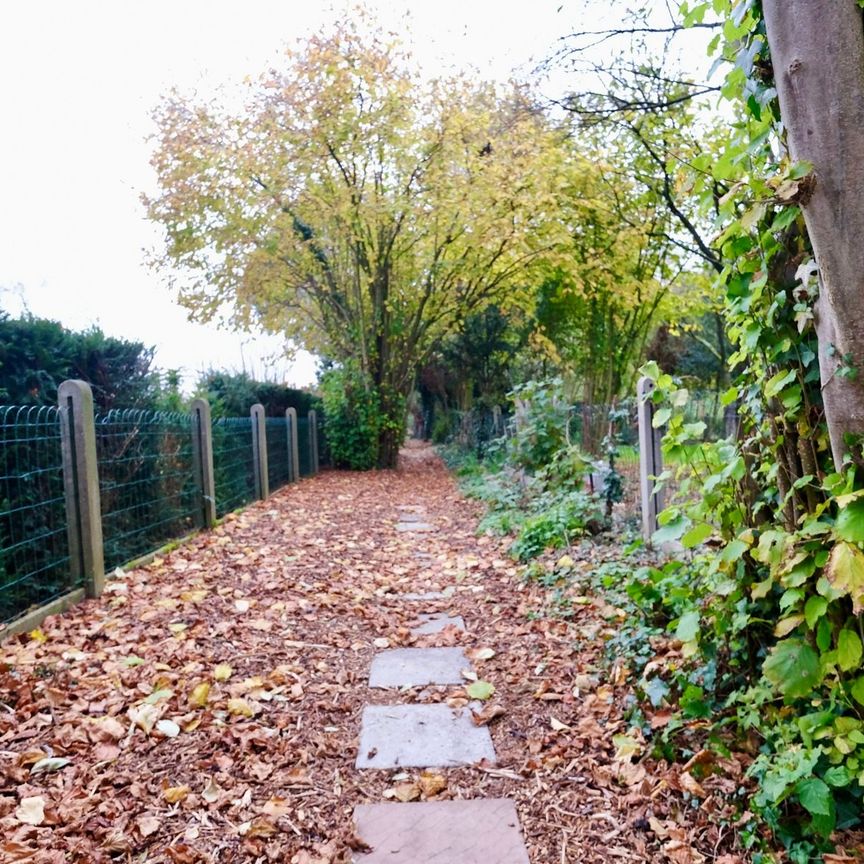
(352, 418)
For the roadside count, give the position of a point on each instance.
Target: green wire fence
(34, 546)
(146, 481)
(278, 452)
(150, 473)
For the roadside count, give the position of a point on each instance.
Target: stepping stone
(411, 517)
(429, 595)
(421, 736)
(435, 622)
(481, 831)
(413, 667)
(419, 527)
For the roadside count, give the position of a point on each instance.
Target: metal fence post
(202, 461)
(293, 445)
(650, 458)
(313, 442)
(81, 485)
(259, 451)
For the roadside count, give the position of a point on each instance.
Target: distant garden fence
(82, 492)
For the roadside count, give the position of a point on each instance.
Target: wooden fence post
(202, 462)
(650, 459)
(81, 485)
(259, 451)
(313, 442)
(293, 445)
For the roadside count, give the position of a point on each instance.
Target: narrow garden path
(297, 686)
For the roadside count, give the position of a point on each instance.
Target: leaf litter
(233, 737)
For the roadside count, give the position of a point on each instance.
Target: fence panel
(34, 545)
(303, 446)
(233, 463)
(278, 461)
(146, 481)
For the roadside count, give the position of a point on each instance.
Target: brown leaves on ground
(209, 704)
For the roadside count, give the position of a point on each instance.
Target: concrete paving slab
(415, 527)
(414, 667)
(435, 622)
(482, 831)
(412, 517)
(421, 736)
(427, 595)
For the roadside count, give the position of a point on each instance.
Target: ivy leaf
(845, 572)
(858, 690)
(661, 417)
(815, 796)
(793, 668)
(688, 627)
(671, 531)
(849, 650)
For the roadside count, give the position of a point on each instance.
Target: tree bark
(817, 50)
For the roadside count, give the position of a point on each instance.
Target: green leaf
(661, 417)
(774, 385)
(696, 535)
(671, 531)
(793, 668)
(688, 627)
(815, 796)
(849, 525)
(845, 572)
(858, 690)
(849, 650)
(480, 690)
(814, 609)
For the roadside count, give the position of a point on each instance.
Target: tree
(817, 54)
(354, 209)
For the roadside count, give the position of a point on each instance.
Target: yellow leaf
(199, 695)
(240, 707)
(37, 635)
(195, 596)
(173, 794)
(222, 672)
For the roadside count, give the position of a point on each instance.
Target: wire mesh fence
(278, 452)
(34, 546)
(146, 481)
(152, 479)
(305, 450)
(233, 463)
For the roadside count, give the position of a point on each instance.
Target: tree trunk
(817, 50)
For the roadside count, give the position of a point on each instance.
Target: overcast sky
(78, 79)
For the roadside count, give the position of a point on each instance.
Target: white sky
(78, 79)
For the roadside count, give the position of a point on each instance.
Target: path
(247, 697)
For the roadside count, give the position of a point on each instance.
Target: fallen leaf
(481, 654)
(691, 785)
(277, 807)
(404, 792)
(148, 824)
(240, 708)
(241, 606)
(48, 765)
(487, 715)
(199, 695)
(173, 794)
(557, 725)
(31, 811)
(381, 642)
(222, 672)
(168, 728)
(432, 783)
(212, 791)
(144, 716)
(480, 690)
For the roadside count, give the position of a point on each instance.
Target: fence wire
(278, 452)
(303, 446)
(34, 546)
(233, 463)
(146, 481)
